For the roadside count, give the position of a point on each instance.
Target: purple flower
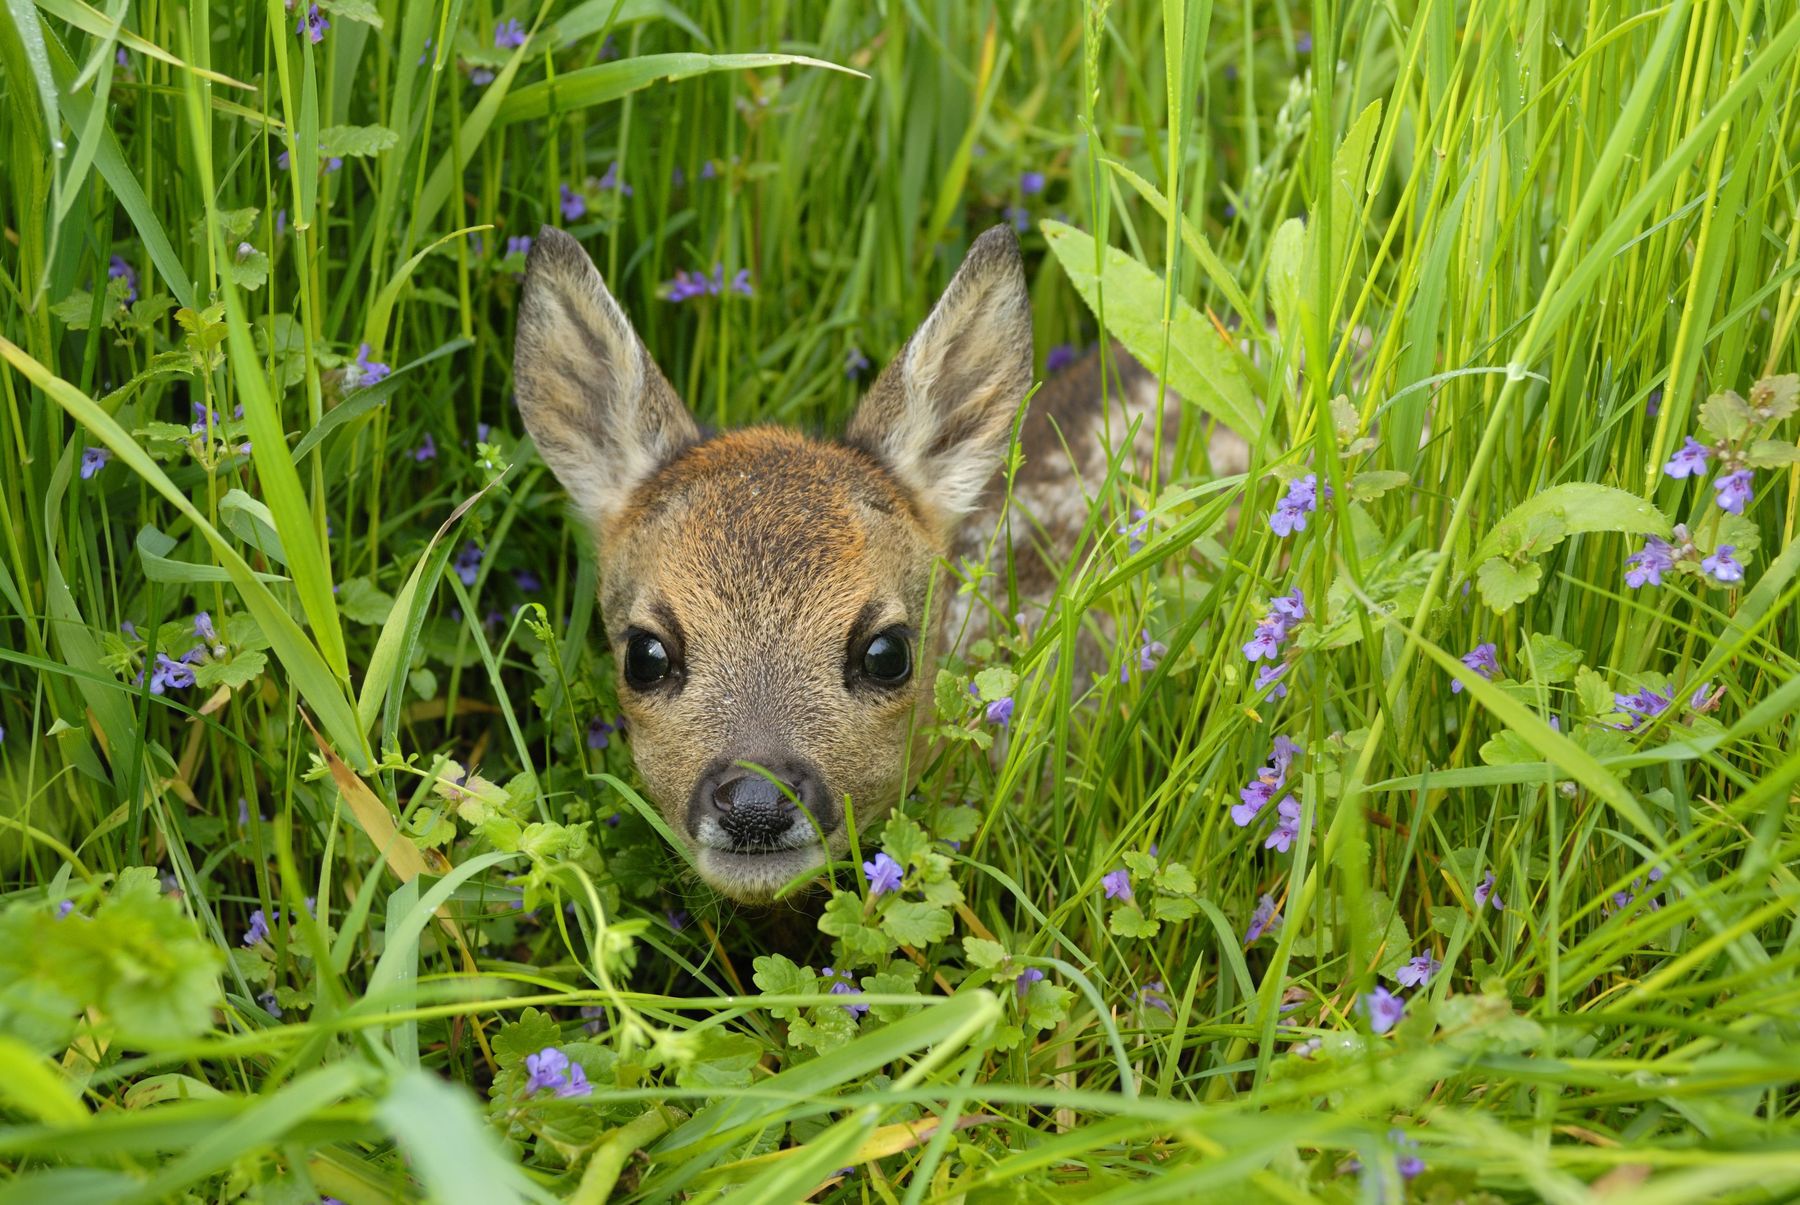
(1484, 891)
(1698, 701)
(1150, 653)
(1134, 530)
(270, 1004)
(468, 563)
(1265, 641)
(1481, 659)
(259, 927)
(1648, 565)
(427, 449)
(609, 180)
(519, 244)
(332, 164)
(283, 160)
(1303, 43)
(1689, 461)
(313, 25)
(1383, 1008)
(169, 675)
(1027, 977)
(119, 269)
(1260, 920)
(545, 1069)
(599, 732)
(1000, 711)
(593, 1018)
(365, 371)
(1642, 705)
(481, 77)
(578, 1084)
(1283, 754)
(678, 918)
(1722, 567)
(708, 170)
(482, 430)
(855, 363)
(281, 223)
(1151, 995)
(1733, 490)
(1286, 828)
(740, 283)
(1117, 884)
(93, 460)
(1019, 216)
(509, 35)
(64, 908)
(1256, 796)
(1031, 183)
(839, 987)
(574, 205)
(203, 628)
(1059, 358)
(1274, 673)
(1290, 606)
(527, 581)
(884, 874)
(1300, 500)
(1418, 972)
(121, 58)
(1406, 1162)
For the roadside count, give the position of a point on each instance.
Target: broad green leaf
(1577, 507)
(1505, 585)
(1553, 660)
(340, 141)
(1201, 366)
(1726, 416)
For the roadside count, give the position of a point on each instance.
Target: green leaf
(1553, 660)
(1577, 507)
(1376, 482)
(1127, 921)
(351, 10)
(238, 670)
(899, 979)
(1727, 417)
(982, 953)
(1173, 908)
(916, 923)
(995, 683)
(1287, 251)
(905, 841)
(724, 1060)
(1505, 585)
(777, 975)
(1771, 454)
(1594, 692)
(341, 141)
(1508, 748)
(529, 1034)
(1047, 1004)
(1177, 878)
(1774, 398)
(1201, 366)
(361, 601)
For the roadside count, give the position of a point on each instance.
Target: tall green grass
(1481, 267)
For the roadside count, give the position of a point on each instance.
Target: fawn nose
(756, 809)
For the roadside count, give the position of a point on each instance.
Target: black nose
(760, 808)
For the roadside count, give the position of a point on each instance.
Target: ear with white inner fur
(601, 413)
(939, 415)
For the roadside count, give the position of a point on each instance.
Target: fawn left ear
(602, 414)
(939, 416)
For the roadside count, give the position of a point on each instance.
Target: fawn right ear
(602, 414)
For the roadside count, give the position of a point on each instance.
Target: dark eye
(887, 660)
(646, 661)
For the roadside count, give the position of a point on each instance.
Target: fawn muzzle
(753, 805)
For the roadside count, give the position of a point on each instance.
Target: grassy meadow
(1466, 873)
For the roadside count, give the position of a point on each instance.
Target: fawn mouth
(756, 875)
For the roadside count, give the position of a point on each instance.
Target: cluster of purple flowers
(427, 449)
(1482, 660)
(1300, 500)
(468, 563)
(883, 873)
(509, 35)
(1285, 611)
(699, 284)
(550, 1068)
(1645, 704)
(1646, 566)
(1262, 790)
(842, 986)
(573, 204)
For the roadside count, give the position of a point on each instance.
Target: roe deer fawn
(764, 593)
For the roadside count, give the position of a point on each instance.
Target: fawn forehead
(766, 526)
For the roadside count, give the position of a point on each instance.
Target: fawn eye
(646, 661)
(887, 659)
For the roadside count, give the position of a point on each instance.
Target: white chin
(754, 878)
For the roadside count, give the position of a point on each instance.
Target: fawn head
(765, 593)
